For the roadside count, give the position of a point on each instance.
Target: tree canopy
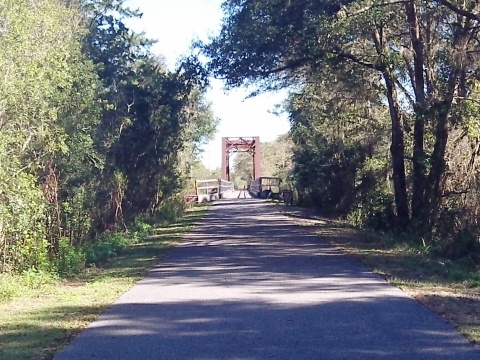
(409, 68)
(95, 132)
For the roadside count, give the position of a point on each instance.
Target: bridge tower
(245, 144)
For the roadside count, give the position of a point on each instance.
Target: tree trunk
(397, 150)
(441, 110)
(433, 192)
(418, 84)
(418, 168)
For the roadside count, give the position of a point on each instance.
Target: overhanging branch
(347, 56)
(291, 65)
(468, 14)
(367, 8)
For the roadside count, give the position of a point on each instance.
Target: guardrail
(226, 186)
(212, 189)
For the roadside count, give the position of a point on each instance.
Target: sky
(174, 24)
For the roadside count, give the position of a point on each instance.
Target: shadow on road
(248, 283)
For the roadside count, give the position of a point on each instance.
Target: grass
(451, 290)
(43, 319)
(448, 288)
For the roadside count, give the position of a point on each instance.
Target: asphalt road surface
(248, 283)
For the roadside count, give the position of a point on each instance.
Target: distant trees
(353, 66)
(94, 130)
(277, 158)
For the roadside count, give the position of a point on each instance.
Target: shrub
(107, 246)
(374, 201)
(463, 246)
(35, 279)
(456, 238)
(8, 287)
(140, 229)
(170, 209)
(70, 259)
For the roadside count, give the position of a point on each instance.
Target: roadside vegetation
(39, 313)
(450, 289)
(97, 136)
(385, 128)
(97, 142)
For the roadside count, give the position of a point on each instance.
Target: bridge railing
(212, 189)
(226, 186)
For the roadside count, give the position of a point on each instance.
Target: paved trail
(250, 284)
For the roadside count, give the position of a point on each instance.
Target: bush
(456, 238)
(374, 211)
(70, 260)
(170, 210)
(140, 229)
(374, 201)
(8, 287)
(464, 247)
(111, 244)
(107, 246)
(36, 279)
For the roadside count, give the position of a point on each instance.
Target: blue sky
(174, 24)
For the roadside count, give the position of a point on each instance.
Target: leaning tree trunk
(441, 112)
(397, 150)
(434, 191)
(418, 82)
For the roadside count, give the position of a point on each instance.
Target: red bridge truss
(243, 144)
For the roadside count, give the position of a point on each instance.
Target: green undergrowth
(40, 313)
(414, 260)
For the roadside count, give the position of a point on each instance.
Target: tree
(104, 134)
(42, 68)
(340, 140)
(277, 158)
(424, 52)
(151, 118)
